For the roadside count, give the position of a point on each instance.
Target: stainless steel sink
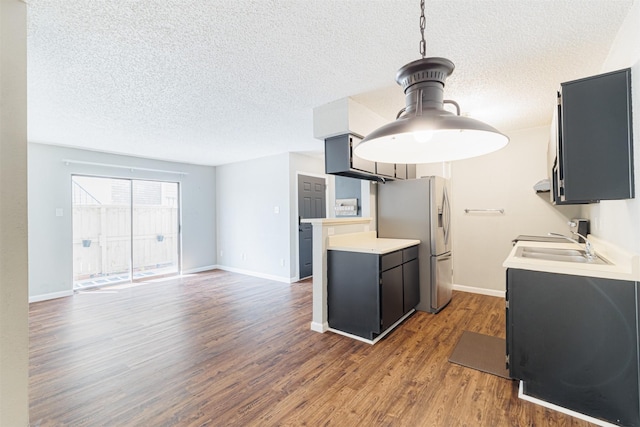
(563, 255)
(555, 251)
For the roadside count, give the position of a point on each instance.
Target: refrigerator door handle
(446, 214)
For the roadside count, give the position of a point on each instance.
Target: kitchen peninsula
(343, 235)
(372, 284)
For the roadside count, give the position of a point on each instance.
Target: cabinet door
(357, 162)
(596, 146)
(573, 342)
(391, 301)
(557, 178)
(353, 299)
(386, 169)
(411, 171)
(411, 285)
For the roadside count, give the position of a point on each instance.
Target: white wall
(500, 180)
(252, 238)
(50, 236)
(619, 221)
(14, 330)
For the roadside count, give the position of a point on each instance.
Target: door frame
(328, 195)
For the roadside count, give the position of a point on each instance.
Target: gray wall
(349, 188)
(50, 236)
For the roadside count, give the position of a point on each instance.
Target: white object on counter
(624, 265)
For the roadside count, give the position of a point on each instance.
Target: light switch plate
(58, 211)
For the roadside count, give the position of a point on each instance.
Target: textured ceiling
(214, 82)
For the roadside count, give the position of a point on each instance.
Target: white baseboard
(200, 269)
(53, 295)
(376, 339)
(241, 271)
(482, 291)
(319, 327)
(574, 414)
(256, 274)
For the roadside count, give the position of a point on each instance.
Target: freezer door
(441, 281)
(404, 211)
(440, 216)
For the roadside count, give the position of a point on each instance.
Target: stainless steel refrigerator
(420, 209)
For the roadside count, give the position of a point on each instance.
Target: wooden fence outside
(102, 239)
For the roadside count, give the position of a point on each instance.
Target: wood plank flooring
(223, 349)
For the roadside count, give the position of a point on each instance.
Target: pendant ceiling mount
(424, 132)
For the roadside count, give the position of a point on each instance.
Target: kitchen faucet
(588, 247)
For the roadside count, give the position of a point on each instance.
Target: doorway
(123, 230)
(311, 204)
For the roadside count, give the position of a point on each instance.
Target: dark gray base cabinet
(368, 293)
(573, 341)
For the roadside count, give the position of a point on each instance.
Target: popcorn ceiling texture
(220, 81)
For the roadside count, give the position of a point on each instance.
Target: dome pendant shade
(425, 132)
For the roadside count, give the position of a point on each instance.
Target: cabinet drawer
(410, 253)
(391, 260)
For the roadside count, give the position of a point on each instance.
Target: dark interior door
(311, 204)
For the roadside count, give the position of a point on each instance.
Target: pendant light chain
(424, 132)
(423, 22)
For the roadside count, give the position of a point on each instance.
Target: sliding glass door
(155, 228)
(123, 230)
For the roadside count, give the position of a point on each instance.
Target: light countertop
(623, 265)
(336, 221)
(367, 242)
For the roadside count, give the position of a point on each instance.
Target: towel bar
(484, 210)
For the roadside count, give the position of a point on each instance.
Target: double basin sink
(557, 254)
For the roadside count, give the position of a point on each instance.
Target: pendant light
(424, 132)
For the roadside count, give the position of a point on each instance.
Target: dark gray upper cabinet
(339, 160)
(595, 143)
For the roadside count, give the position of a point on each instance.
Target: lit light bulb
(423, 135)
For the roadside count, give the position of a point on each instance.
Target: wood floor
(223, 349)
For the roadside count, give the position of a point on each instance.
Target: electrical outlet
(244, 256)
(282, 262)
(221, 253)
